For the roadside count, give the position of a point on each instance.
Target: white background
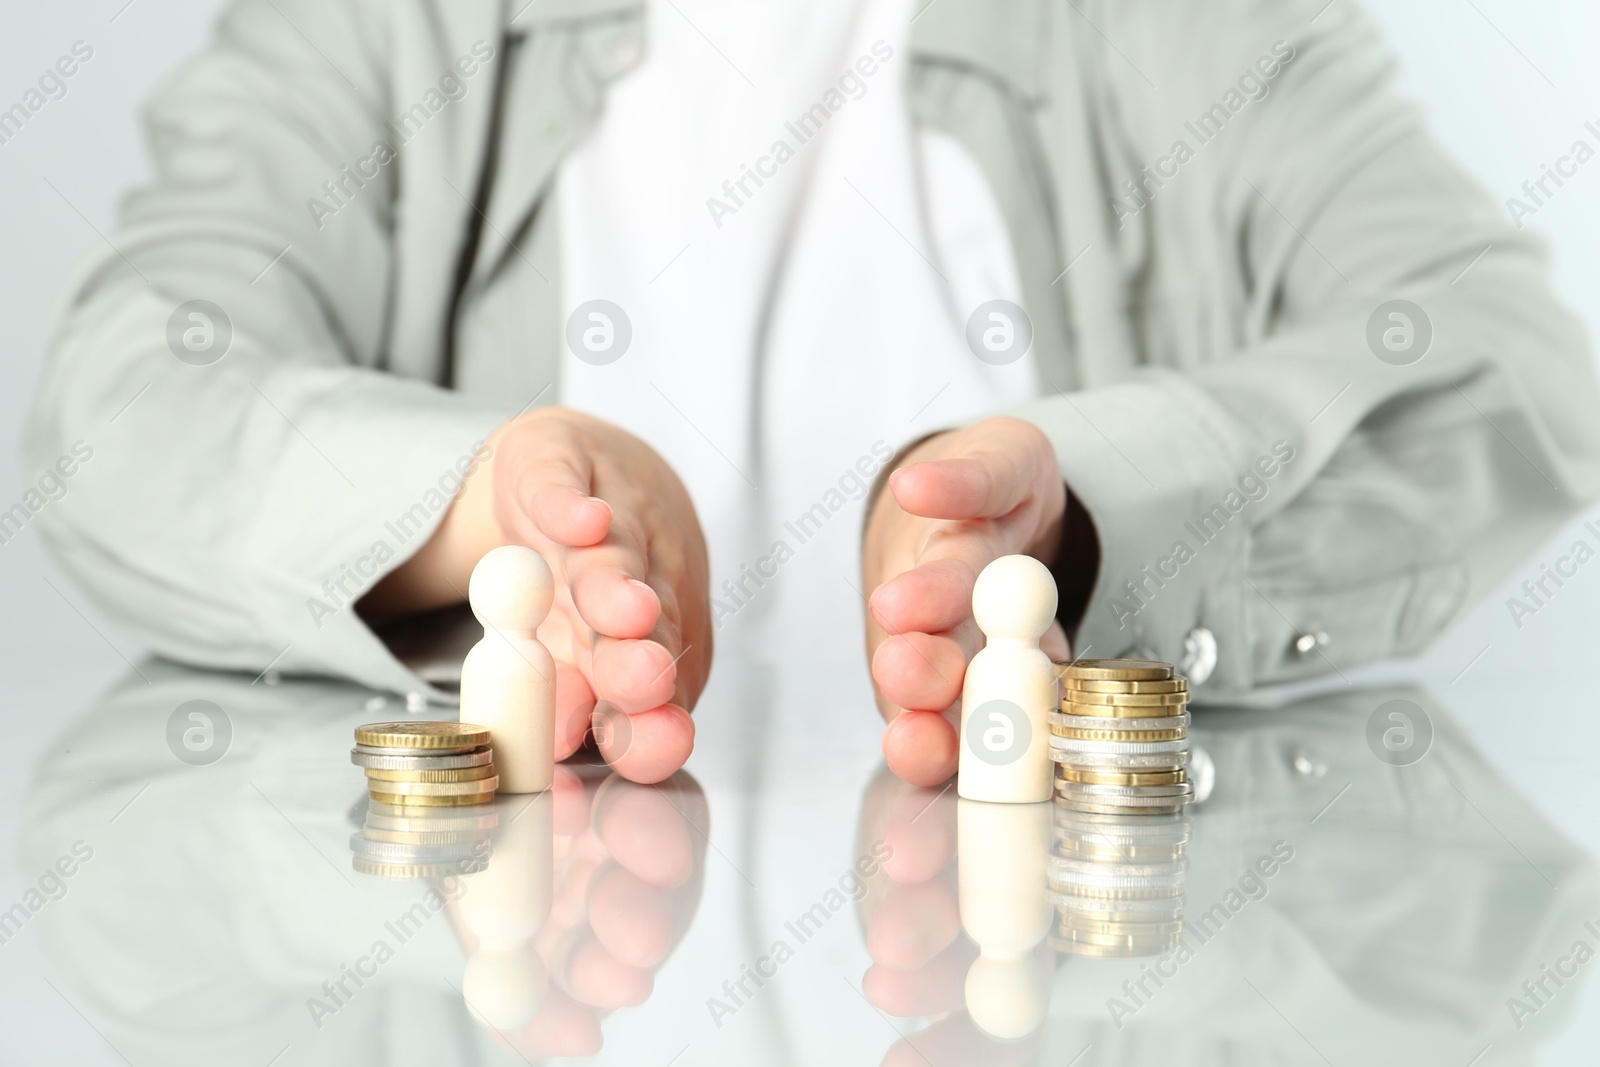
(1507, 88)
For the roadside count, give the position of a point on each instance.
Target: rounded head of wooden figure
(511, 588)
(1015, 598)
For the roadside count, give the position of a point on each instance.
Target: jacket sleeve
(1344, 474)
(245, 467)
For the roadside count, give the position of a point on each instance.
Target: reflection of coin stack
(1121, 740)
(1117, 883)
(415, 842)
(422, 777)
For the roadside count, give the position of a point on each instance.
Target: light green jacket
(1195, 323)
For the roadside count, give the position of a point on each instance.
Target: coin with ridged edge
(1125, 700)
(400, 800)
(1116, 670)
(1095, 685)
(430, 753)
(1124, 792)
(1139, 895)
(1120, 748)
(409, 761)
(438, 789)
(1072, 774)
(461, 774)
(1121, 711)
(1109, 952)
(1123, 736)
(422, 837)
(1092, 807)
(418, 870)
(1096, 722)
(407, 852)
(1161, 761)
(422, 735)
(413, 820)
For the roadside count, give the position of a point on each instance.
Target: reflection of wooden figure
(508, 680)
(1002, 851)
(505, 905)
(1010, 687)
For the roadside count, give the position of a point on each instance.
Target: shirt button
(1306, 644)
(1199, 655)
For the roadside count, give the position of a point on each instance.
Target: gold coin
(404, 799)
(1069, 914)
(1073, 774)
(1125, 700)
(460, 774)
(1072, 925)
(1116, 670)
(428, 820)
(1121, 711)
(1130, 940)
(1093, 685)
(421, 735)
(1120, 736)
(1109, 952)
(438, 789)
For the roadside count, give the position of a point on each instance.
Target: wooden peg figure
(1010, 687)
(508, 680)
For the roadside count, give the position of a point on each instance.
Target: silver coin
(1156, 907)
(1118, 748)
(1066, 881)
(1095, 722)
(1069, 823)
(378, 750)
(1091, 868)
(1121, 808)
(1099, 761)
(1121, 792)
(417, 871)
(424, 837)
(417, 762)
(389, 852)
(1128, 800)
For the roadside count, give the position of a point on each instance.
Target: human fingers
(920, 747)
(647, 746)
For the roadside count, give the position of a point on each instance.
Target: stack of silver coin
(1117, 883)
(1121, 739)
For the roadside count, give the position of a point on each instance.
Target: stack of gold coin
(1121, 739)
(1117, 883)
(426, 764)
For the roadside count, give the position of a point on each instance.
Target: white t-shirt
(797, 263)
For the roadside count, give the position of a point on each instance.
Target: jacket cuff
(1147, 460)
(396, 452)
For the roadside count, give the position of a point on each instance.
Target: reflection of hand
(961, 500)
(624, 866)
(630, 624)
(920, 954)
